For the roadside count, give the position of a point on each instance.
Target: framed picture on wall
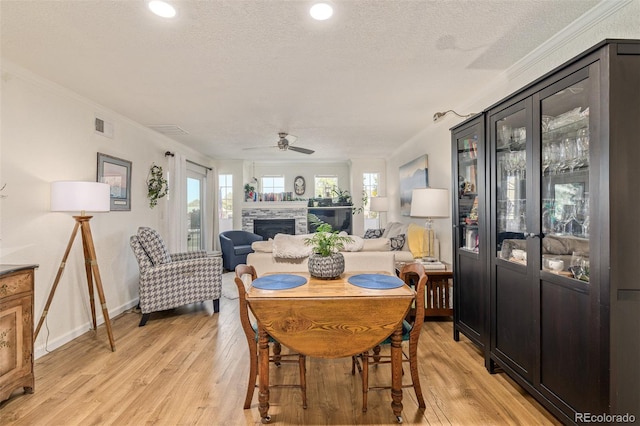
(414, 174)
(117, 173)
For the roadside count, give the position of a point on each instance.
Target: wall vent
(168, 129)
(103, 127)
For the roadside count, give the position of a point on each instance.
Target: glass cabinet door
(511, 184)
(565, 181)
(468, 193)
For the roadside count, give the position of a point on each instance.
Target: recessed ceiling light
(161, 8)
(321, 11)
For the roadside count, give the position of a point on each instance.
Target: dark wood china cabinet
(555, 265)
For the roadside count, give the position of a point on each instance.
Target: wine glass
(546, 156)
(582, 215)
(582, 144)
(555, 156)
(566, 215)
(571, 153)
(521, 163)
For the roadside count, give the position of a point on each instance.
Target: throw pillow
(397, 242)
(355, 244)
(262, 246)
(373, 233)
(375, 244)
(154, 246)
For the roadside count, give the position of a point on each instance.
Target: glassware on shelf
(556, 153)
(548, 219)
(571, 153)
(582, 146)
(582, 215)
(579, 266)
(566, 215)
(546, 157)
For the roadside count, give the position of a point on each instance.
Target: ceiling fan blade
(259, 147)
(302, 150)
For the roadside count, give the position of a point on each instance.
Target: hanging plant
(157, 185)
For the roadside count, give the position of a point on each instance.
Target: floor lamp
(430, 203)
(83, 197)
(380, 205)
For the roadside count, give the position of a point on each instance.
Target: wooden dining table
(330, 319)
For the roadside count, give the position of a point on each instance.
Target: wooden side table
(438, 301)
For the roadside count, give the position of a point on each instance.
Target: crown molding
(493, 91)
(592, 17)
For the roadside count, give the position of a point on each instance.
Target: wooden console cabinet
(16, 329)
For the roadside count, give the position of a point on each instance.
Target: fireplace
(268, 228)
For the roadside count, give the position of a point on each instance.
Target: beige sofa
(288, 253)
(559, 247)
(360, 261)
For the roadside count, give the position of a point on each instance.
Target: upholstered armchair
(235, 246)
(171, 280)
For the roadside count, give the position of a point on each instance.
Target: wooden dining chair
(251, 332)
(410, 332)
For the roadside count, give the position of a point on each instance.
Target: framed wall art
(414, 174)
(117, 173)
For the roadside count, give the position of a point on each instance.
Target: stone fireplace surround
(274, 210)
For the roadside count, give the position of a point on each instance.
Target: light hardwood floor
(189, 366)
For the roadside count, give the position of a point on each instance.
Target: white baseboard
(51, 345)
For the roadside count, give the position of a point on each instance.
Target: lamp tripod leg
(90, 251)
(89, 273)
(57, 280)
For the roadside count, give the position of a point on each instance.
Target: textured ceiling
(234, 73)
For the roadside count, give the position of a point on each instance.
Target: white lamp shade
(379, 204)
(67, 196)
(430, 202)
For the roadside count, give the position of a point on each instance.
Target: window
(324, 185)
(272, 184)
(196, 189)
(370, 187)
(225, 202)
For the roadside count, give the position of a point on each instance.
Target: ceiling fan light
(321, 11)
(162, 9)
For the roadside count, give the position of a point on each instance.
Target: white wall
(435, 142)
(607, 20)
(47, 135)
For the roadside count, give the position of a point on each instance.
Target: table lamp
(430, 203)
(70, 196)
(379, 204)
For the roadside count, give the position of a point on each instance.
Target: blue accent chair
(235, 246)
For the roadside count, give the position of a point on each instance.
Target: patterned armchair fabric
(171, 280)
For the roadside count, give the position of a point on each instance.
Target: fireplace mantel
(275, 210)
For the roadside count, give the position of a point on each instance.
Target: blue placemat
(376, 281)
(279, 282)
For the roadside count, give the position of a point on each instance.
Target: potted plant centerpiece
(326, 261)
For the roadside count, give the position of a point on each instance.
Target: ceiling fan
(285, 142)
